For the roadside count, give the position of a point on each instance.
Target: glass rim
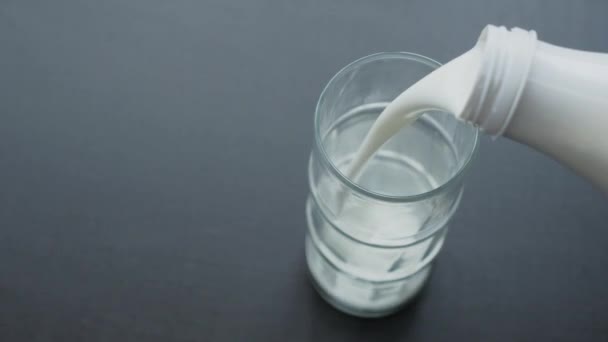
(356, 187)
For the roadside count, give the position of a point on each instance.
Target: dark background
(153, 160)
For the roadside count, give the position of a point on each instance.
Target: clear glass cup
(370, 244)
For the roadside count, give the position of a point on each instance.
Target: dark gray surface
(153, 160)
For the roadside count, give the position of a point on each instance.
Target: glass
(370, 244)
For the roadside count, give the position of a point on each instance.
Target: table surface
(154, 154)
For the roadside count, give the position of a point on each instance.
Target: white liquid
(561, 111)
(447, 89)
(358, 277)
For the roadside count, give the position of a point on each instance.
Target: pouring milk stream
(551, 98)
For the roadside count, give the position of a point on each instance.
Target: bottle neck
(501, 78)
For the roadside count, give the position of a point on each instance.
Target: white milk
(446, 89)
(551, 98)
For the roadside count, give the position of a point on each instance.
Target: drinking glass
(370, 244)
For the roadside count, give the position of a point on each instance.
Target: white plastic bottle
(551, 98)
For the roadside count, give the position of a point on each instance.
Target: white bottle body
(563, 110)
